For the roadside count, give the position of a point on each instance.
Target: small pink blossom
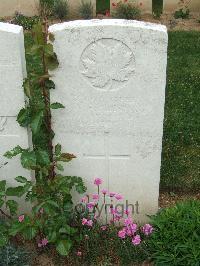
(136, 240)
(95, 197)
(117, 217)
(103, 227)
(133, 227)
(122, 233)
(84, 199)
(84, 221)
(98, 181)
(127, 212)
(104, 191)
(91, 205)
(112, 211)
(128, 221)
(112, 194)
(118, 196)
(147, 229)
(90, 223)
(21, 218)
(79, 253)
(43, 242)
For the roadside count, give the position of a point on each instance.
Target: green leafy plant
(46, 7)
(86, 9)
(157, 8)
(26, 22)
(126, 10)
(61, 9)
(176, 236)
(13, 256)
(50, 220)
(183, 11)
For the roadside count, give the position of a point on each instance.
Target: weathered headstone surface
(12, 72)
(111, 78)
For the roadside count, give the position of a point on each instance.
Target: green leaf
(42, 158)
(1, 203)
(51, 61)
(67, 230)
(58, 149)
(15, 191)
(12, 205)
(2, 185)
(28, 159)
(29, 232)
(60, 167)
(3, 239)
(49, 84)
(57, 105)
(21, 179)
(23, 117)
(38, 34)
(37, 122)
(14, 152)
(66, 157)
(63, 247)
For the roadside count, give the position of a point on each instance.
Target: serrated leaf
(28, 159)
(21, 179)
(66, 157)
(58, 148)
(51, 61)
(15, 191)
(23, 117)
(12, 205)
(42, 158)
(63, 247)
(36, 122)
(57, 105)
(14, 152)
(60, 167)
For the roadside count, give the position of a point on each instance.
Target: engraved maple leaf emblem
(3, 121)
(107, 63)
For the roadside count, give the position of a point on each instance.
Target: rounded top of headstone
(7, 27)
(107, 22)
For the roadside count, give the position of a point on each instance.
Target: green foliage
(46, 7)
(50, 220)
(14, 256)
(181, 140)
(176, 237)
(26, 22)
(102, 6)
(157, 8)
(61, 9)
(86, 9)
(183, 13)
(126, 11)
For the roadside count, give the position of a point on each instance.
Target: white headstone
(111, 79)
(12, 73)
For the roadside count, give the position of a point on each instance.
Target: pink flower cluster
(131, 230)
(43, 243)
(87, 222)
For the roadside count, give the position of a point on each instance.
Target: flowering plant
(126, 9)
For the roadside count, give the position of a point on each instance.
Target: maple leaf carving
(107, 61)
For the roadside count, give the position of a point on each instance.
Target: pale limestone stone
(12, 73)
(111, 78)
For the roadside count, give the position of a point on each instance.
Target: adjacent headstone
(12, 73)
(111, 79)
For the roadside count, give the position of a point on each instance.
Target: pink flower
(112, 194)
(103, 227)
(117, 217)
(133, 228)
(107, 13)
(84, 199)
(112, 211)
(122, 233)
(79, 253)
(21, 218)
(127, 212)
(128, 221)
(118, 196)
(95, 197)
(114, 5)
(90, 223)
(43, 242)
(147, 229)
(104, 191)
(136, 240)
(91, 205)
(98, 181)
(84, 221)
